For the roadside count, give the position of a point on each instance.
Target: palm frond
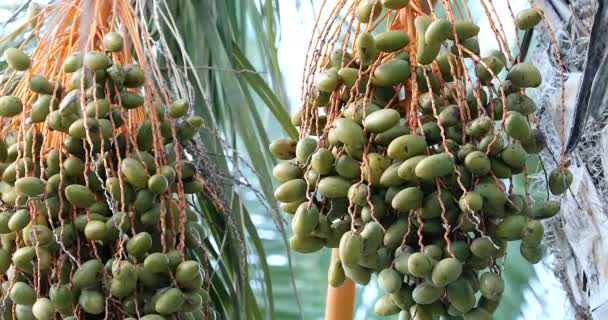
(227, 50)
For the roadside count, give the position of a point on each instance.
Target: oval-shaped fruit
(73, 167)
(10, 106)
(461, 295)
(41, 108)
(478, 314)
(303, 149)
(385, 306)
(419, 265)
(134, 76)
(426, 293)
(61, 297)
(117, 73)
(305, 219)
(521, 103)
(5, 261)
(517, 127)
(134, 172)
(491, 285)
(283, 148)
(113, 41)
(514, 156)
(158, 183)
(374, 167)
(328, 80)
(292, 191)
(29, 186)
(366, 48)
(483, 248)
(470, 201)
(536, 143)
(401, 263)
(559, 182)
(408, 199)
(395, 233)
(407, 146)
(390, 280)
(22, 293)
(437, 165)
(471, 44)
(489, 68)
(322, 161)
(86, 275)
(527, 18)
(438, 31)
(17, 59)
(532, 233)
(348, 132)
(407, 170)
(477, 163)
(525, 75)
(450, 116)
(72, 63)
(358, 274)
(131, 100)
(510, 228)
(545, 210)
(350, 248)
(23, 259)
(426, 52)
(348, 76)
(305, 244)
(403, 298)
(95, 60)
(347, 167)
(139, 244)
(533, 254)
(391, 73)
(372, 235)
(465, 29)
(96, 230)
(80, 196)
(186, 271)
(290, 208)
(381, 120)
(357, 194)
(390, 177)
(333, 187)
(178, 108)
(40, 85)
(335, 274)
(170, 301)
(43, 309)
(368, 10)
(395, 4)
(391, 41)
(92, 301)
(386, 137)
(446, 271)
(156, 262)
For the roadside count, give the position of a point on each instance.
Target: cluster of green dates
(93, 229)
(424, 207)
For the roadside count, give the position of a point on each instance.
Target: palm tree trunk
(577, 237)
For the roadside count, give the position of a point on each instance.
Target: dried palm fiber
(575, 239)
(409, 141)
(95, 176)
